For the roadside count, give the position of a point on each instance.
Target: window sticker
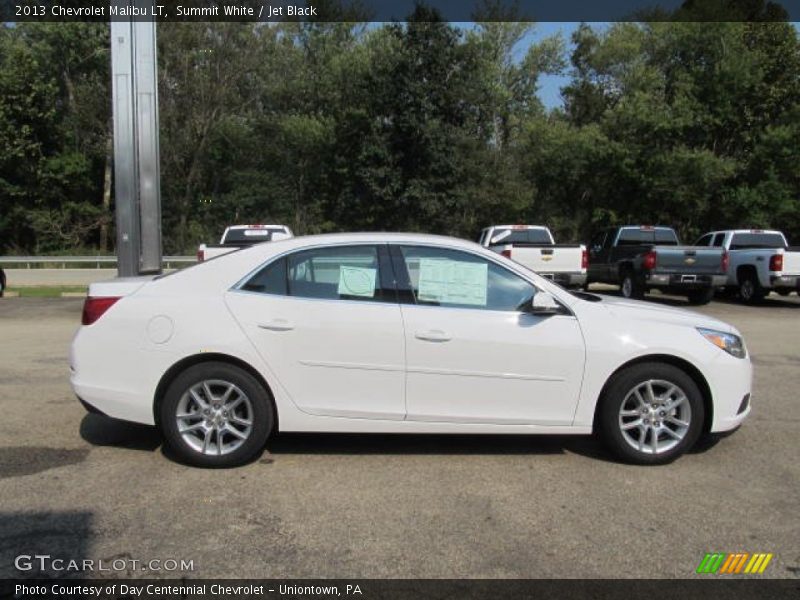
(453, 282)
(357, 281)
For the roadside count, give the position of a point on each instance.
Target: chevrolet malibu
(398, 333)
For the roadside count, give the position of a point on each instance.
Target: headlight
(732, 344)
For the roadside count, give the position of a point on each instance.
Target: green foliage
(421, 126)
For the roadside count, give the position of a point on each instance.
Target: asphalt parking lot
(74, 485)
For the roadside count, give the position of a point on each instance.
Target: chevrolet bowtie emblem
(546, 258)
(690, 261)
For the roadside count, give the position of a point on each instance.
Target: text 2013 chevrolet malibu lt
(398, 333)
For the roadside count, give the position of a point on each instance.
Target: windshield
(520, 236)
(633, 236)
(757, 240)
(245, 237)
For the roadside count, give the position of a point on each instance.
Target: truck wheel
(629, 287)
(750, 290)
(699, 297)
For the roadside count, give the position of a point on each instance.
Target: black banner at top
(399, 10)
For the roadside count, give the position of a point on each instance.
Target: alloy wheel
(214, 417)
(655, 416)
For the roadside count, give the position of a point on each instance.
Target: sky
(550, 85)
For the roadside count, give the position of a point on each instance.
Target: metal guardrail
(109, 261)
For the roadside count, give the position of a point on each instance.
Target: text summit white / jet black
(398, 333)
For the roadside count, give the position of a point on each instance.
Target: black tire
(750, 290)
(700, 297)
(629, 285)
(619, 390)
(2, 282)
(260, 412)
(783, 291)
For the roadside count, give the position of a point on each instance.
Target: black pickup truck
(639, 258)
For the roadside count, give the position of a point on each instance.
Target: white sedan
(398, 333)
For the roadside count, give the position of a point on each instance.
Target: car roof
(366, 237)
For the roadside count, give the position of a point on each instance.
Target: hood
(648, 311)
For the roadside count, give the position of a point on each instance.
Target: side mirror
(544, 304)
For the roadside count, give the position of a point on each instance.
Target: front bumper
(731, 381)
(684, 280)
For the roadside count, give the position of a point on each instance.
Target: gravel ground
(83, 486)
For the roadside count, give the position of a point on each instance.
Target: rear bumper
(687, 281)
(569, 279)
(785, 281)
(113, 403)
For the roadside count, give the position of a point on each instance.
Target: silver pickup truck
(759, 261)
(534, 247)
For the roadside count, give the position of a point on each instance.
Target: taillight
(776, 262)
(94, 308)
(649, 260)
(584, 259)
(506, 252)
(200, 256)
(725, 260)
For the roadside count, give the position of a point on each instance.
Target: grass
(46, 291)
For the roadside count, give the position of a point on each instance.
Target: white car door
(474, 354)
(327, 323)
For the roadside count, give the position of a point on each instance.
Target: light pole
(137, 197)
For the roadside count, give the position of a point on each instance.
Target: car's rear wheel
(699, 297)
(651, 413)
(216, 415)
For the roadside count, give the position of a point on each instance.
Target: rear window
(635, 236)
(520, 236)
(757, 240)
(245, 237)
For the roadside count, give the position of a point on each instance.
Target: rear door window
(704, 241)
(361, 273)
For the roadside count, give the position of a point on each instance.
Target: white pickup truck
(759, 261)
(241, 236)
(534, 247)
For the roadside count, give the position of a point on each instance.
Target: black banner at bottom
(400, 589)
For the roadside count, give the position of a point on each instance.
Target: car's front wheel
(651, 413)
(216, 415)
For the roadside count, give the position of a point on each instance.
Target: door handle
(432, 335)
(277, 325)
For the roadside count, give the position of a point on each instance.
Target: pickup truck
(534, 247)
(241, 236)
(639, 258)
(760, 261)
